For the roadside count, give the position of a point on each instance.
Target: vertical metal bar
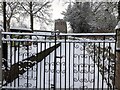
(94, 67)
(98, 64)
(108, 66)
(40, 67)
(69, 63)
(44, 73)
(83, 65)
(49, 66)
(27, 64)
(44, 64)
(79, 60)
(60, 66)
(0, 60)
(65, 62)
(15, 46)
(55, 63)
(18, 59)
(115, 62)
(37, 67)
(73, 61)
(11, 45)
(103, 62)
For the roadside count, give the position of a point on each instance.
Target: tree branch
(41, 7)
(98, 7)
(25, 8)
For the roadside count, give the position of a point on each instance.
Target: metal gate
(59, 60)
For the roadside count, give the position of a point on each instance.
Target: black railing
(58, 60)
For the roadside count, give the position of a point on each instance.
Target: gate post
(117, 74)
(0, 59)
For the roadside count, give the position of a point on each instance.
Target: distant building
(61, 25)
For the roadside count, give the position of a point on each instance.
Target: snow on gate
(75, 67)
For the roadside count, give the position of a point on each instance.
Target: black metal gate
(57, 60)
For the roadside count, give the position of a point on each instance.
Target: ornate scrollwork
(51, 65)
(82, 65)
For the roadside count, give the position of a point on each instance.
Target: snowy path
(73, 58)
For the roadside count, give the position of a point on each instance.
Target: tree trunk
(31, 16)
(4, 48)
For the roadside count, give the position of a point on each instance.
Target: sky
(58, 7)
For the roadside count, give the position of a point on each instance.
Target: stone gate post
(117, 76)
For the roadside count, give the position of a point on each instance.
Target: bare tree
(18, 11)
(12, 9)
(40, 11)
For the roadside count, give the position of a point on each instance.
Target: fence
(58, 60)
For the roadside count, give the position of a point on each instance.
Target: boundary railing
(80, 55)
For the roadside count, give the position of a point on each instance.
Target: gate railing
(59, 60)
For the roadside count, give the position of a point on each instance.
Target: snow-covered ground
(79, 65)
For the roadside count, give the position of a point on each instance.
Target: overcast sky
(58, 7)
